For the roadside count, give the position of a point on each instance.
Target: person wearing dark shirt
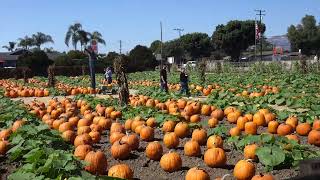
(163, 79)
(184, 82)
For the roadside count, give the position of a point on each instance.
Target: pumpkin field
(233, 126)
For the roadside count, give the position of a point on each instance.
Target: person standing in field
(163, 79)
(108, 75)
(184, 79)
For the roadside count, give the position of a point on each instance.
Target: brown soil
(146, 169)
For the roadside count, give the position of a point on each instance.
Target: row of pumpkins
(191, 111)
(264, 89)
(90, 127)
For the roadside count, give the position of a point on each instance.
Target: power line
(260, 13)
(179, 31)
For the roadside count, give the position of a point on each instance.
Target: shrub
(37, 61)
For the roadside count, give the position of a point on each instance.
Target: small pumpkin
(192, 148)
(115, 137)
(5, 133)
(215, 157)
(284, 129)
(168, 126)
(82, 139)
(154, 150)
(171, 140)
(214, 141)
(263, 177)
(314, 137)
(127, 124)
(259, 119)
(250, 151)
(292, 121)
(68, 136)
(82, 150)
(84, 122)
(206, 110)
(235, 131)
(132, 140)
(181, 129)
(105, 123)
(95, 136)
(244, 170)
(272, 127)
(151, 122)
(116, 127)
(83, 130)
(97, 162)
(303, 129)
(316, 124)
(147, 133)
(17, 124)
(218, 114)
(4, 145)
(195, 118)
(120, 150)
(213, 122)
(171, 162)
(250, 128)
(293, 137)
(197, 174)
(241, 122)
(122, 171)
(199, 135)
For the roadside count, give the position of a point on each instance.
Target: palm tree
(25, 42)
(98, 37)
(41, 38)
(10, 47)
(84, 38)
(73, 35)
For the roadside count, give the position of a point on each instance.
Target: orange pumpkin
(181, 129)
(250, 128)
(199, 135)
(171, 140)
(154, 150)
(214, 141)
(192, 148)
(314, 137)
(259, 119)
(244, 170)
(171, 162)
(235, 131)
(168, 126)
(272, 127)
(303, 129)
(97, 162)
(292, 121)
(284, 129)
(197, 174)
(215, 157)
(122, 171)
(250, 151)
(213, 122)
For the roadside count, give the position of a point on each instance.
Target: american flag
(258, 32)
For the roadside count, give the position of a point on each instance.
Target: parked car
(190, 64)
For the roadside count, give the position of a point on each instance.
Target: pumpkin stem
(224, 176)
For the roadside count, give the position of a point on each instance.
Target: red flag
(258, 33)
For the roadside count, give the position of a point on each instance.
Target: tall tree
(10, 47)
(84, 38)
(98, 37)
(25, 42)
(73, 35)
(305, 36)
(196, 45)
(235, 36)
(141, 58)
(40, 38)
(155, 47)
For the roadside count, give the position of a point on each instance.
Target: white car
(190, 64)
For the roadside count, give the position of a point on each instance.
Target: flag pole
(255, 39)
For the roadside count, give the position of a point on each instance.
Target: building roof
(6, 56)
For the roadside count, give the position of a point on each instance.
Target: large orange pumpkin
(199, 135)
(197, 174)
(214, 141)
(215, 157)
(171, 162)
(171, 140)
(122, 171)
(97, 162)
(181, 129)
(314, 137)
(303, 129)
(244, 170)
(154, 150)
(192, 148)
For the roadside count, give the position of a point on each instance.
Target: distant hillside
(282, 41)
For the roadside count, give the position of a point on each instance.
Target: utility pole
(260, 13)
(161, 46)
(120, 46)
(179, 31)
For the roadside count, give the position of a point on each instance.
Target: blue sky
(137, 21)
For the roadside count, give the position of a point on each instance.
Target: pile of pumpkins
(5, 134)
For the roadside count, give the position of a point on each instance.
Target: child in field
(184, 79)
(108, 75)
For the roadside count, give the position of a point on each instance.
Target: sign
(94, 46)
(158, 57)
(170, 60)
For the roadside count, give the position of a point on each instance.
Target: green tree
(109, 59)
(40, 38)
(84, 38)
(10, 47)
(75, 54)
(305, 36)
(235, 36)
(25, 42)
(63, 60)
(73, 35)
(98, 37)
(37, 61)
(141, 58)
(196, 45)
(155, 47)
